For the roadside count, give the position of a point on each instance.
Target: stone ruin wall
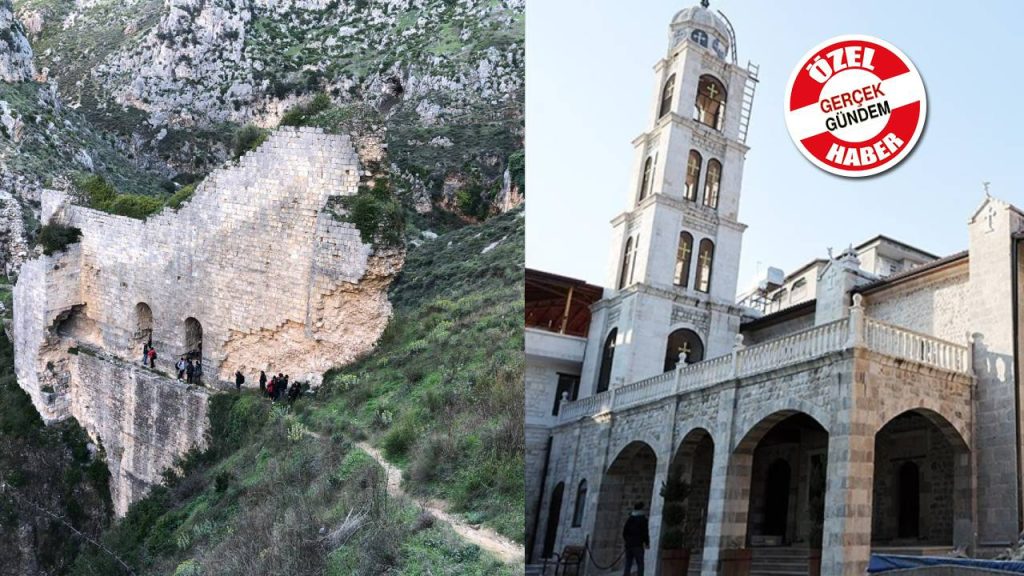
(275, 280)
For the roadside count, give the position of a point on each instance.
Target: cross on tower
(705, 260)
(683, 352)
(985, 186)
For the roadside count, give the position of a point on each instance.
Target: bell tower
(675, 250)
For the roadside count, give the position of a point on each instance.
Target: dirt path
(505, 549)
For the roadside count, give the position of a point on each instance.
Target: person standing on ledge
(239, 380)
(637, 539)
(263, 382)
(152, 357)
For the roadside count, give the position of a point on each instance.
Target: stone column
(729, 497)
(651, 558)
(846, 541)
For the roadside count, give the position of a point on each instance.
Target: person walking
(152, 357)
(181, 368)
(239, 380)
(636, 538)
(145, 353)
(263, 382)
(190, 371)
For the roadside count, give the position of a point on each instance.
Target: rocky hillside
(152, 95)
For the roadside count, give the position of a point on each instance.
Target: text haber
(865, 155)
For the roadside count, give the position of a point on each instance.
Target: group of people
(276, 388)
(149, 355)
(188, 370)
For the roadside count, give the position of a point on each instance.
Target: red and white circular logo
(855, 106)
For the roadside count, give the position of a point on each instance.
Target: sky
(590, 84)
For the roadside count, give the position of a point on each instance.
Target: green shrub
(377, 214)
(247, 138)
(300, 114)
(181, 196)
(55, 237)
(100, 195)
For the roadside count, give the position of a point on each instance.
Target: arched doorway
(921, 488)
(686, 494)
(554, 517)
(143, 324)
(782, 461)
(683, 341)
(193, 339)
(909, 498)
(776, 495)
(628, 481)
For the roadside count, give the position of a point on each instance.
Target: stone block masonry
(252, 273)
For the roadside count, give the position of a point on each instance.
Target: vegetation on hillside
(44, 470)
(282, 490)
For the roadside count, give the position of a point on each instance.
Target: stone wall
(938, 305)
(144, 421)
(254, 268)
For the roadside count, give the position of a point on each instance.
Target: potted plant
(676, 535)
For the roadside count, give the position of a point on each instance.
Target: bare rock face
(252, 273)
(15, 52)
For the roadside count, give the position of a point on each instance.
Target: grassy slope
(444, 384)
(443, 391)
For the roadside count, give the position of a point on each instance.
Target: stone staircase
(778, 561)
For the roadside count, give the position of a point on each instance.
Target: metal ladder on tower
(749, 87)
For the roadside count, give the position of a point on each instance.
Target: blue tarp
(888, 562)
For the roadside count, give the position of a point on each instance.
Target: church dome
(688, 21)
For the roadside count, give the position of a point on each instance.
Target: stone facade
(253, 273)
(885, 413)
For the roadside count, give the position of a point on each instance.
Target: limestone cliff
(15, 52)
(251, 274)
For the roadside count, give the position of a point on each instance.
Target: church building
(867, 402)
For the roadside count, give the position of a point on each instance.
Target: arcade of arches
(776, 488)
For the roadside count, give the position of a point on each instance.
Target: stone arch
(955, 429)
(755, 424)
(687, 492)
(628, 480)
(800, 439)
(193, 338)
(143, 324)
(919, 454)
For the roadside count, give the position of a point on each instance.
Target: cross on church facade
(712, 90)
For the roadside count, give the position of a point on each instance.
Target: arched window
(700, 37)
(683, 256)
(581, 504)
(607, 357)
(709, 109)
(683, 341)
(692, 175)
(712, 182)
(799, 289)
(193, 339)
(666, 96)
(143, 323)
(554, 517)
(648, 176)
(705, 259)
(628, 262)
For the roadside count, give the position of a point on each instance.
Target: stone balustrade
(854, 331)
(908, 345)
